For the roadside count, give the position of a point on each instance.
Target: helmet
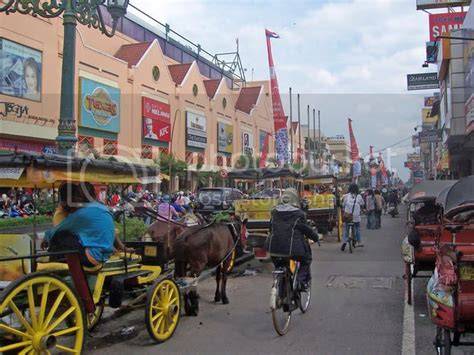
(290, 196)
(165, 199)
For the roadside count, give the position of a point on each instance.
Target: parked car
(216, 199)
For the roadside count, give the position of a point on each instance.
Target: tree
(171, 166)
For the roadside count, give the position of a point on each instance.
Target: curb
(238, 261)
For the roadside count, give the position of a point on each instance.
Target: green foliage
(246, 161)
(46, 207)
(178, 167)
(221, 217)
(135, 228)
(28, 221)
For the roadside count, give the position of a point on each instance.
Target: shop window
(189, 157)
(110, 147)
(85, 143)
(147, 152)
(220, 161)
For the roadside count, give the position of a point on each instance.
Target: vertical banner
(357, 170)
(264, 152)
(280, 122)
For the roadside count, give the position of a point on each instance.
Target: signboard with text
(156, 120)
(444, 23)
(225, 138)
(196, 130)
(437, 4)
(427, 118)
(430, 136)
(247, 143)
(422, 81)
(99, 106)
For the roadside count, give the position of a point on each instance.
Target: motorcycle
(392, 210)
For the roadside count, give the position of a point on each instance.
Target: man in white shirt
(353, 204)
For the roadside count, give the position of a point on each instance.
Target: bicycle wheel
(281, 314)
(304, 298)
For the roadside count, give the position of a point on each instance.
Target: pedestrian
(379, 207)
(353, 203)
(370, 203)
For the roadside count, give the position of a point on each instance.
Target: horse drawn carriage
(450, 291)
(323, 208)
(256, 210)
(47, 306)
(423, 218)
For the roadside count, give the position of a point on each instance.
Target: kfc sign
(156, 120)
(443, 23)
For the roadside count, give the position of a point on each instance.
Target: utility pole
(309, 141)
(291, 129)
(299, 123)
(314, 136)
(319, 132)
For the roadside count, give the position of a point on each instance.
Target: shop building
(138, 94)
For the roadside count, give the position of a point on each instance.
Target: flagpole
(291, 129)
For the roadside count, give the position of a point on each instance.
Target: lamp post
(86, 12)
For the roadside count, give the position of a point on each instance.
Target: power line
(394, 144)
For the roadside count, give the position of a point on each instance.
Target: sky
(345, 58)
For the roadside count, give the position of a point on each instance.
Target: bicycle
(287, 295)
(352, 237)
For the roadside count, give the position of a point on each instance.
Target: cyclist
(353, 203)
(287, 238)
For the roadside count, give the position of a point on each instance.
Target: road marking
(408, 341)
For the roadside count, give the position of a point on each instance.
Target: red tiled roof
(132, 53)
(211, 87)
(247, 99)
(179, 71)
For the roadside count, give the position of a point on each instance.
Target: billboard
(196, 130)
(431, 52)
(247, 143)
(156, 120)
(20, 70)
(444, 23)
(99, 106)
(422, 81)
(225, 138)
(426, 117)
(436, 4)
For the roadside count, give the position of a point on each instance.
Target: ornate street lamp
(86, 12)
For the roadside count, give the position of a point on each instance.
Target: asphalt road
(357, 308)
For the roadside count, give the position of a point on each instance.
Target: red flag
(279, 118)
(354, 147)
(264, 153)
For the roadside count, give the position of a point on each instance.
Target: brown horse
(212, 246)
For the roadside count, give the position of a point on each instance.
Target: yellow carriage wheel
(94, 318)
(163, 310)
(41, 314)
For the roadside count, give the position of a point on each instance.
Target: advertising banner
(99, 106)
(247, 143)
(436, 4)
(354, 146)
(468, 59)
(196, 130)
(20, 70)
(443, 23)
(418, 173)
(469, 108)
(280, 121)
(430, 136)
(225, 138)
(17, 145)
(156, 120)
(432, 52)
(422, 81)
(426, 117)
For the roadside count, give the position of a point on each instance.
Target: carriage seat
(114, 263)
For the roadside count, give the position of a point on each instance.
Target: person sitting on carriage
(88, 229)
(426, 215)
(288, 232)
